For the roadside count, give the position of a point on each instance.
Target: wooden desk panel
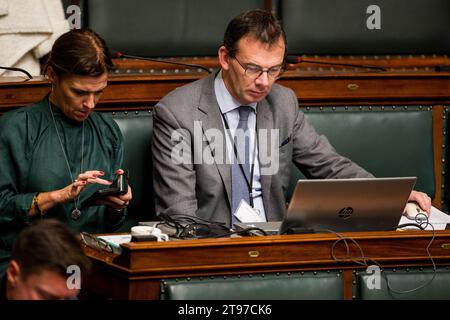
(143, 88)
(138, 271)
(405, 88)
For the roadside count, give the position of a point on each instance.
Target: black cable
(246, 230)
(197, 218)
(422, 220)
(194, 227)
(195, 224)
(344, 239)
(407, 225)
(167, 219)
(18, 69)
(365, 259)
(191, 231)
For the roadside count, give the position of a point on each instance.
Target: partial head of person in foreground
(47, 263)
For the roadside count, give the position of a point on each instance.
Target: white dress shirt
(229, 108)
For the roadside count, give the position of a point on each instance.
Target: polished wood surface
(313, 88)
(369, 88)
(137, 272)
(439, 116)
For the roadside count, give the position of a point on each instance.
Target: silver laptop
(341, 205)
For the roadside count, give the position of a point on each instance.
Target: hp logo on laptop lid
(345, 213)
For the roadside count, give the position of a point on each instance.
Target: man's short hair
(48, 245)
(259, 24)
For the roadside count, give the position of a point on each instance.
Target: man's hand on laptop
(422, 199)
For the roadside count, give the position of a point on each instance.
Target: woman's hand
(73, 190)
(48, 200)
(117, 202)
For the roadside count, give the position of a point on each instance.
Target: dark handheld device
(143, 238)
(118, 187)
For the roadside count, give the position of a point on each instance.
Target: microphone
(120, 55)
(442, 68)
(18, 69)
(292, 59)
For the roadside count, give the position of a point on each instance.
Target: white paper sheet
(117, 239)
(437, 218)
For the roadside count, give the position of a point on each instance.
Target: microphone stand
(297, 59)
(122, 55)
(18, 69)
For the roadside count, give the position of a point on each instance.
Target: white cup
(146, 230)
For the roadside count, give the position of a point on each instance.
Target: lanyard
(255, 143)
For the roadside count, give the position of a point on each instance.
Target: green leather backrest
(339, 26)
(164, 28)
(386, 143)
(419, 281)
(137, 130)
(308, 285)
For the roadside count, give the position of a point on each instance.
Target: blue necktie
(239, 184)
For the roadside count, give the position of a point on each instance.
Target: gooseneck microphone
(18, 69)
(120, 55)
(292, 59)
(442, 68)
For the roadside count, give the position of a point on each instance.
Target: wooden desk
(138, 271)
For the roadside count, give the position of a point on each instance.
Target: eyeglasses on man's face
(254, 71)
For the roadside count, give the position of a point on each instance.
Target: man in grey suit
(204, 168)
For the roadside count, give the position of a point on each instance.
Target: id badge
(245, 213)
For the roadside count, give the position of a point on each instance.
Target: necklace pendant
(76, 213)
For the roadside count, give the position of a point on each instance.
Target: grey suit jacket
(183, 123)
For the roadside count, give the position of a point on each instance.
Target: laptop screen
(344, 205)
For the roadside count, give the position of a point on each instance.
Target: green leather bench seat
(401, 280)
(284, 286)
(385, 141)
